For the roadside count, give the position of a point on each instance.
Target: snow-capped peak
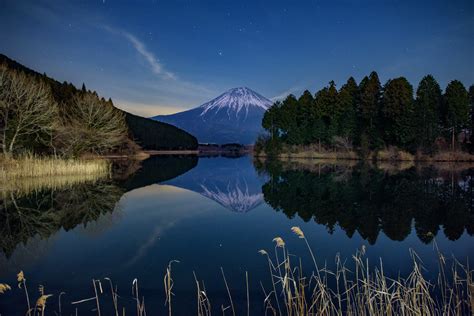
(235, 100)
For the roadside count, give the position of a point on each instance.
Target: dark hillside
(147, 133)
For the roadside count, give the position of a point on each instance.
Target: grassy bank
(351, 288)
(32, 172)
(31, 166)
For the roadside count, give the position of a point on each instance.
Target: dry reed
(29, 173)
(356, 290)
(30, 166)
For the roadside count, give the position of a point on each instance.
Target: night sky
(155, 57)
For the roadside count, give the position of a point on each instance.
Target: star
(219, 53)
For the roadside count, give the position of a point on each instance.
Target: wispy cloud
(166, 93)
(155, 64)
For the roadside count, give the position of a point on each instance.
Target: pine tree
(455, 109)
(347, 102)
(368, 109)
(289, 120)
(397, 112)
(332, 110)
(427, 111)
(325, 115)
(305, 102)
(317, 117)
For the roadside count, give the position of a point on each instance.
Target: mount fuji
(233, 117)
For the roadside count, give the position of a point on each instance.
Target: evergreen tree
(455, 108)
(333, 110)
(397, 112)
(270, 120)
(347, 102)
(305, 103)
(321, 117)
(368, 109)
(288, 120)
(427, 111)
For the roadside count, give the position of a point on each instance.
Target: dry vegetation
(33, 167)
(388, 154)
(360, 290)
(354, 290)
(314, 152)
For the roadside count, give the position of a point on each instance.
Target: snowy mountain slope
(234, 116)
(234, 101)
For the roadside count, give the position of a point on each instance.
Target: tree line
(39, 114)
(370, 116)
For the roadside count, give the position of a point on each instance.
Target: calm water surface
(209, 213)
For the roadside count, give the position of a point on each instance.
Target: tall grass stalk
(22, 283)
(203, 303)
(228, 293)
(168, 282)
(95, 282)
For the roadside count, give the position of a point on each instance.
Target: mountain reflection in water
(231, 182)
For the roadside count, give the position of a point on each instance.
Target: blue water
(212, 213)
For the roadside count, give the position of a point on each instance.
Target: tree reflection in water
(39, 207)
(369, 200)
(43, 212)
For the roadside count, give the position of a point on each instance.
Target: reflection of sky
(158, 205)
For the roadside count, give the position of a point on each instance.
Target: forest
(369, 116)
(43, 116)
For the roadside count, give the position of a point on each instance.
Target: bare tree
(91, 125)
(28, 112)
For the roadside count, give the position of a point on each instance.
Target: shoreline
(171, 152)
(381, 156)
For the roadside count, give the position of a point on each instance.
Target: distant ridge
(233, 117)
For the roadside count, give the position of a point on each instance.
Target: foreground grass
(359, 290)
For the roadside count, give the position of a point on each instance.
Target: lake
(210, 213)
